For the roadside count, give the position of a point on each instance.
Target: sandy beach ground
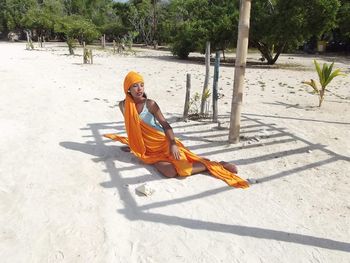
(67, 194)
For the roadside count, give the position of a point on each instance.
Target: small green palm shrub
(325, 75)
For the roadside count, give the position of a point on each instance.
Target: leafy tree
(141, 16)
(223, 27)
(76, 27)
(183, 41)
(2, 16)
(344, 19)
(276, 24)
(325, 75)
(100, 12)
(114, 30)
(40, 20)
(14, 11)
(121, 10)
(197, 21)
(164, 23)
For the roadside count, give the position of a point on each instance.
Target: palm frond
(318, 69)
(334, 74)
(312, 84)
(327, 73)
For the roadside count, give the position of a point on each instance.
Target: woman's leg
(199, 167)
(229, 166)
(166, 169)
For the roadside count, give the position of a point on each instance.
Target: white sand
(68, 195)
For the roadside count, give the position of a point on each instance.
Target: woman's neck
(139, 100)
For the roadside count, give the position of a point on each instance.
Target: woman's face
(137, 90)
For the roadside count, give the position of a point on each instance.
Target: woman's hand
(174, 150)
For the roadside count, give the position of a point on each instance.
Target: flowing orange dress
(151, 145)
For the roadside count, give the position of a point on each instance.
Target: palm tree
(325, 76)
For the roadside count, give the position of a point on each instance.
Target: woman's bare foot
(229, 166)
(125, 149)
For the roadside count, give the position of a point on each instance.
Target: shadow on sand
(107, 154)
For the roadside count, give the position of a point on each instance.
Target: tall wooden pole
(206, 80)
(241, 59)
(187, 99)
(215, 86)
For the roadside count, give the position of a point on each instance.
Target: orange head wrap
(131, 78)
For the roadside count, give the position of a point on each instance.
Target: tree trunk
(206, 80)
(279, 51)
(241, 58)
(70, 45)
(154, 23)
(321, 97)
(215, 86)
(267, 53)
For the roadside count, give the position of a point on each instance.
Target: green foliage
(281, 23)
(97, 11)
(76, 27)
(185, 24)
(2, 16)
(114, 30)
(325, 76)
(142, 18)
(194, 22)
(128, 39)
(344, 19)
(14, 11)
(184, 42)
(121, 11)
(194, 105)
(39, 19)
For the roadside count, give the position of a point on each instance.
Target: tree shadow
(293, 118)
(133, 211)
(227, 63)
(253, 135)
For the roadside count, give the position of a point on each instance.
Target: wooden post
(241, 58)
(28, 43)
(206, 80)
(187, 99)
(113, 46)
(215, 86)
(91, 57)
(85, 55)
(103, 41)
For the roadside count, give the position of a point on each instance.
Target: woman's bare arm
(122, 106)
(155, 110)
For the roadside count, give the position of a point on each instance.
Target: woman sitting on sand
(151, 138)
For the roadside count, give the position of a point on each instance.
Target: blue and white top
(149, 118)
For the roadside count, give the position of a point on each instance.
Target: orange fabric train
(152, 146)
